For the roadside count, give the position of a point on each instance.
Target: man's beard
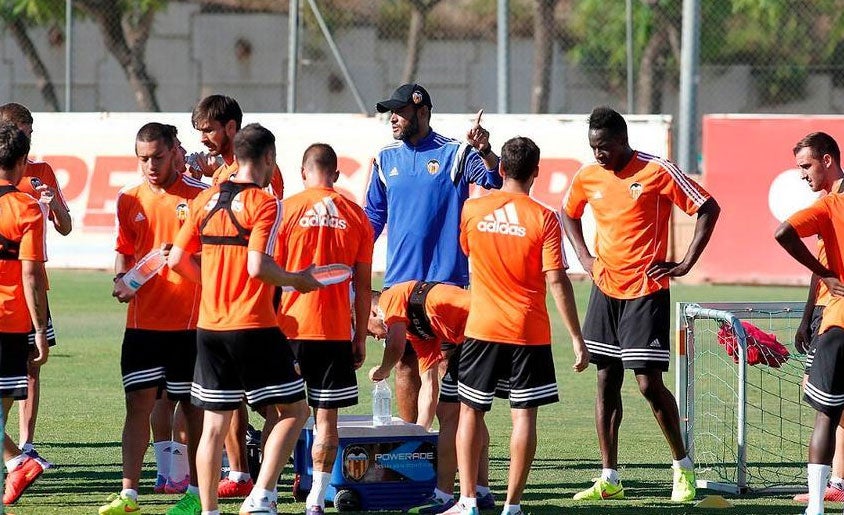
(411, 129)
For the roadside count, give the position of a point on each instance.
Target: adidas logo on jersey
(503, 220)
(323, 214)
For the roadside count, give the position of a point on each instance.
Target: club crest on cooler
(355, 462)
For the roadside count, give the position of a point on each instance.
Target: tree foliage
(781, 40)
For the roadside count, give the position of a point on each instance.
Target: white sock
(817, 475)
(836, 481)
(468, 502)
(685, 464)
(481, 490)
(239, 477)
(13, 463)
(511, 509)
(319, 485)
(130, 493)
(610, 475)
(193, 490)
(162, 457)
(179, 466)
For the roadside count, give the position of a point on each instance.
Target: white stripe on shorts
(178, 388)
(530, 394)
(333, 395)
(448, 389)
(473, 394)
(208, 395)
(283, 390)
(603, 348)
(824, 398)
(12, 383)
(645, 355)
(143, 376)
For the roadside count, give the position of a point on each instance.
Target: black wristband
(119, 276)
(485, 152)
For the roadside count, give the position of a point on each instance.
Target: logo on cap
(416, 97)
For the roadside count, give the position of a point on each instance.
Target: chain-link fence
(564, 55)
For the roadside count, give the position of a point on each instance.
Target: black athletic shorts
(328, 367)
(814, 327)
(529, 370)
(14, 357)
(635, 331)
(253, 363)
(158, 359)
(824, 390)
(448, 384)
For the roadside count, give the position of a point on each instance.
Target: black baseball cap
(404, 95)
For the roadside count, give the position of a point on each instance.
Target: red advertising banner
(749, 167)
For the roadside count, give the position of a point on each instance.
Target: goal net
(746, 425)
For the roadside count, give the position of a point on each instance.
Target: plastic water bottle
(144, 269)
(382, 414)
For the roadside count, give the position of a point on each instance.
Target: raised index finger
(478, 118)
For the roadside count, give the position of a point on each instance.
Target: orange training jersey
(825, 218)
(23, 220)
(145, 220)
(632, 209)
(231, 299)
(321, 227)
(226, 172)
(511, 241)
(822, 295)
(42, 173)
(446, 305)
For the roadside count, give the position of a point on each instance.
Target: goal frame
(731, 313)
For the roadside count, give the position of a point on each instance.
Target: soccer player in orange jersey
(322, 227)
(818, 157)
(218, 118)
(514, 246)
(39, 181)
(627, 320)
(159, 344)
(23, 297)
(241, 352)
(432, 317)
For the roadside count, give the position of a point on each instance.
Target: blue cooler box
(389, 467)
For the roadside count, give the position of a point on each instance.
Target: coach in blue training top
(418, 186)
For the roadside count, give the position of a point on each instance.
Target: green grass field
(82, 414)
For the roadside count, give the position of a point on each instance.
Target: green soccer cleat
(684, 485)
(601, 490)
(119, 505)
(187, 505)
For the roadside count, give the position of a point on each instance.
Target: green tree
(124, 24)
(17, 16)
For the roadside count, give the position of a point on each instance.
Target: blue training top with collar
(419, 191)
